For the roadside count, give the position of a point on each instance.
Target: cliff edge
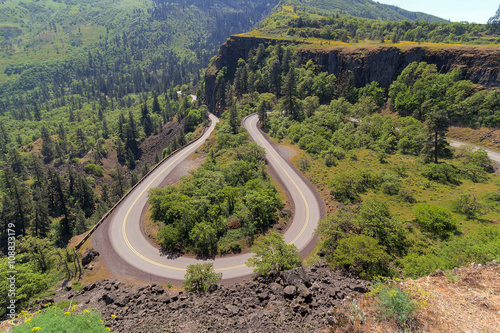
(381, 64)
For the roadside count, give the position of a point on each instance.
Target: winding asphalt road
(132, 249)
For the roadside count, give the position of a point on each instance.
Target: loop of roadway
(126, 250)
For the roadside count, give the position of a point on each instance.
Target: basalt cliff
(367, 64)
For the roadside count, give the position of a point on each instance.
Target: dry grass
(485, 137)
(470, 305)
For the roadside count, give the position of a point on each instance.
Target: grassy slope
(363, 8)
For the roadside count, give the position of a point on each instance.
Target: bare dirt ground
(466, 300)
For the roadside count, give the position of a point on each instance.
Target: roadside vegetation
(404, 202)
(225, 203)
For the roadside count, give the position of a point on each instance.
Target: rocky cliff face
(381, 64)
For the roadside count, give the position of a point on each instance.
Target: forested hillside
(88, 103)
(83, 83)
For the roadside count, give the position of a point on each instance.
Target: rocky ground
(300, 300)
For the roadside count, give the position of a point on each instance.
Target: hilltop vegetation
(308, 24)
(360, 8)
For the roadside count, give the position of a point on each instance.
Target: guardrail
(105, 216)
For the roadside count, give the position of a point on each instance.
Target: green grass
(425, 191)
(56, 320)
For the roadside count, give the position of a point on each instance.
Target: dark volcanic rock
(89, 256)
(294, 301)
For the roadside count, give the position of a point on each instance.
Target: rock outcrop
(300, 300)
(367, 64)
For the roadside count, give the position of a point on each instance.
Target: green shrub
(416, 266)
(375, 220)
(468, 204)
(93, 169)
(200, 277)
(272, 253)
(395, 304)
(436, 220)
(474, 172)
(406, 195)
(57, 320)
(346, 186)
(441, 173)
(390, 182)
(233, 247)
(364, 255)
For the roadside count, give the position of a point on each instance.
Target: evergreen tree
(233, 119)
(19, 202)
(436, 127)
(41, 216)
(145, 170)
(274, 77)
(262, 113)
(37, 112)
(119, 182)
(105, 130)
(131, 137)
(289, 93)
(146, 121)
(156, 105)
(133, 179)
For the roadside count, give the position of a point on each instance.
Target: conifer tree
(436, 127)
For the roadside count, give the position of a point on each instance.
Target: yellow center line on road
(304, 227)
(220, 269)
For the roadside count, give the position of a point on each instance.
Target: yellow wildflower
(36, 328)
(67, 313)
(113, 316)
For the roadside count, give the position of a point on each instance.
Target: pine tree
(105, 130)
(233, 119)
(41, 217)
(274, 76)
(262, 113)
(156, 105)
(436, 127)
(19, 202)
(145, 170)
(131, 137)
(146, 121)
(119, 182)
(133, 179)
(289, 93)
(82, 139)
(37, 112)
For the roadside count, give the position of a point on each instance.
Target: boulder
(88, 256)
(289, 291)
(296, 277)
(109, 298)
